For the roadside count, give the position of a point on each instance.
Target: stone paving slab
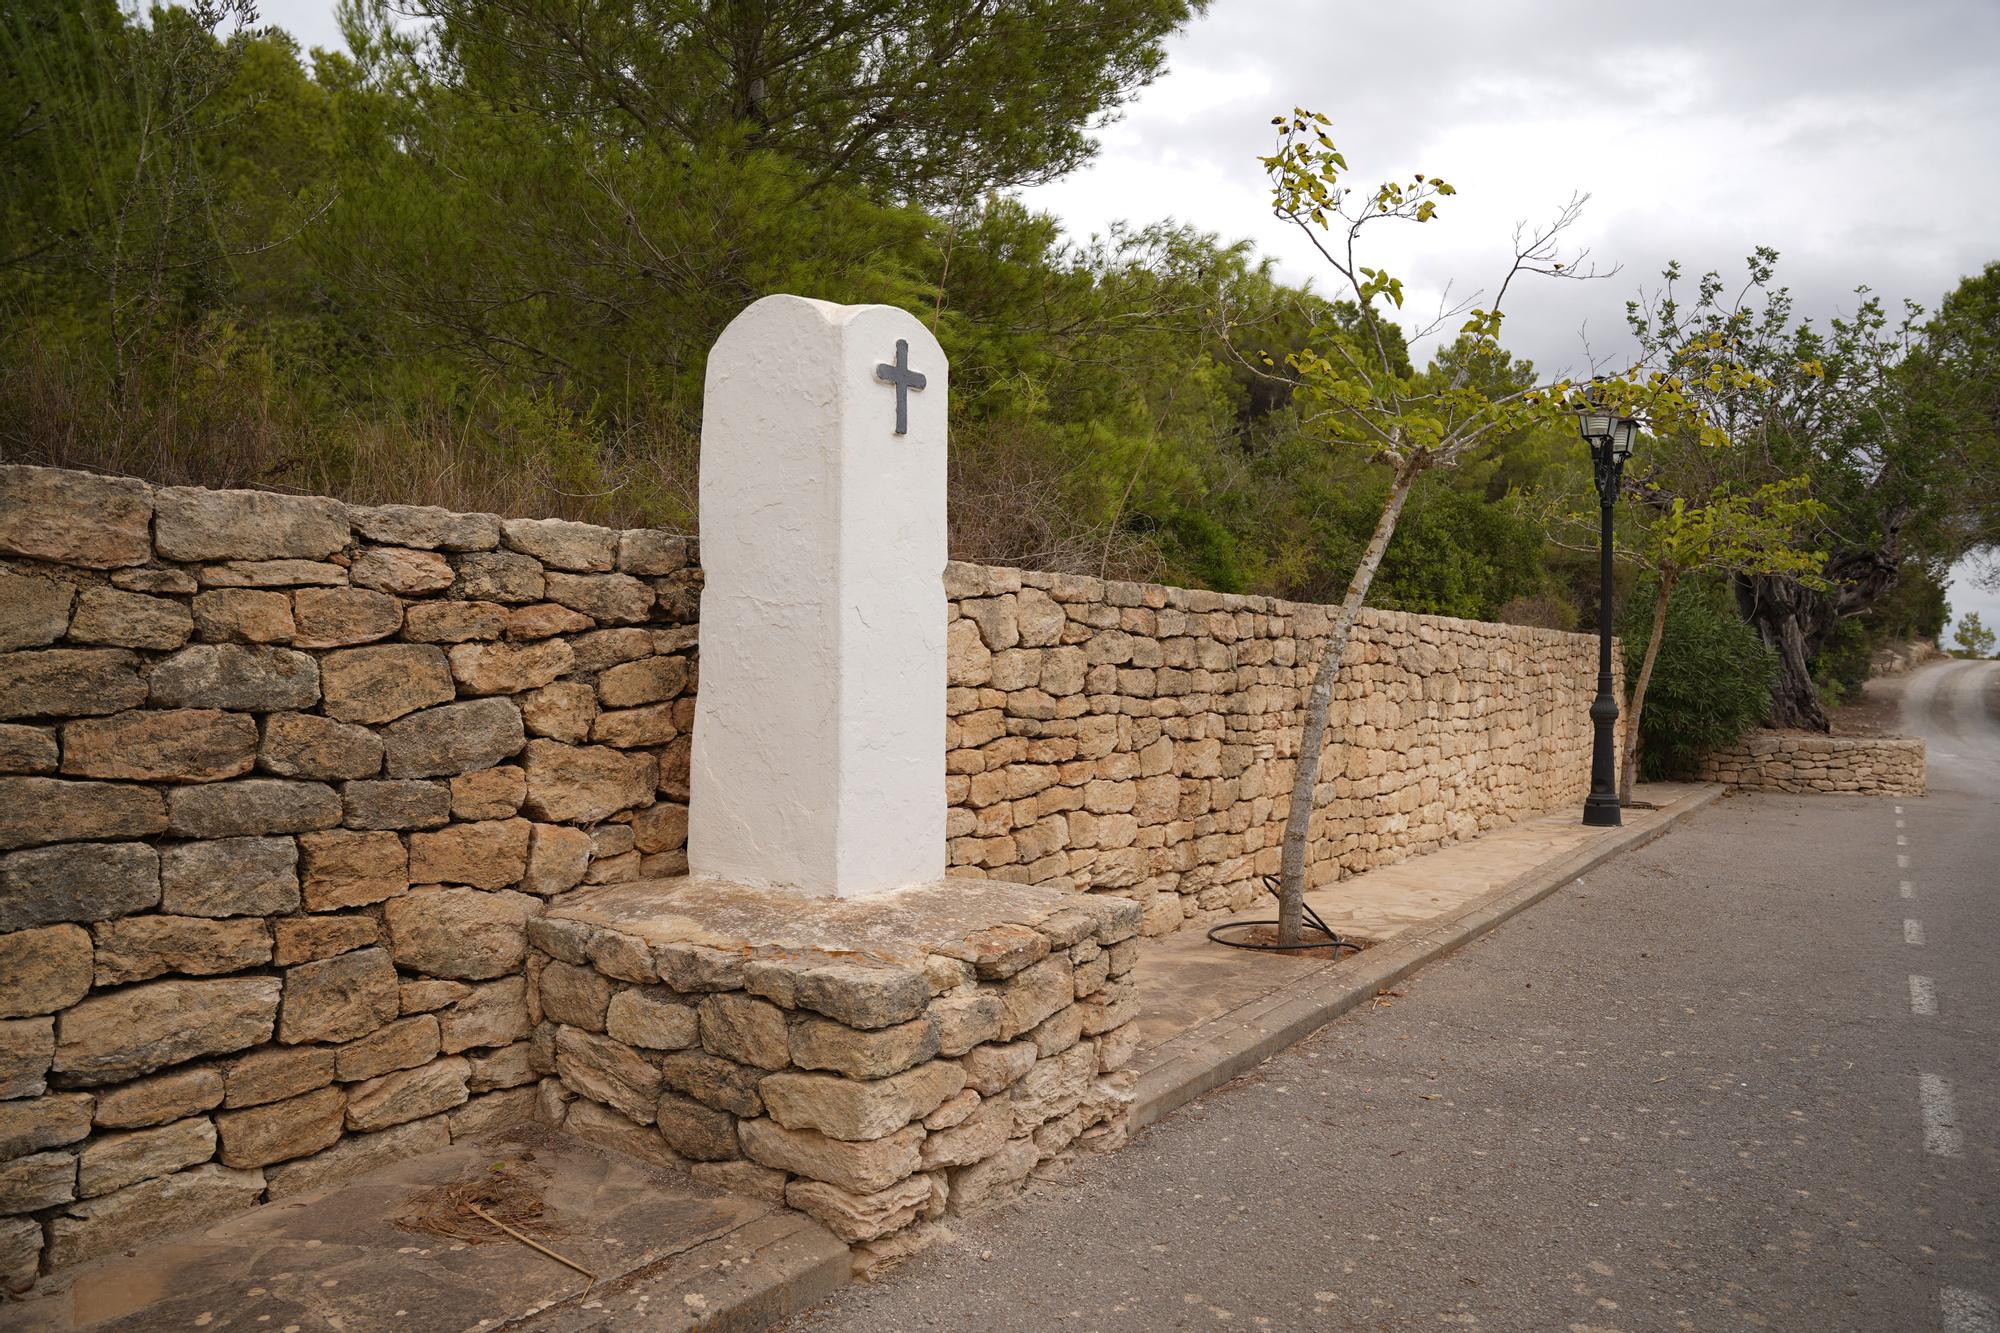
(337, 1260)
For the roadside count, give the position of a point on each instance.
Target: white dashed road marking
(1941, 1133)
(1902, 861)
(1907, 888)
(1968, 1312)
(1913, 931)
(1902, 841)
(1923, 996)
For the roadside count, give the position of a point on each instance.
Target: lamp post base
(1602, 811)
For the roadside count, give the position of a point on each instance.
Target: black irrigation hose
(1334, 940)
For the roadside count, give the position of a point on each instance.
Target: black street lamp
(1610, 437)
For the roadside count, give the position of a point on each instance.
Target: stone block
(426, 995)
(818, 1043)
(563, 711)
(280, 1131)
(159, 1099)
(508, 1067)
(492, 1014)
(27, 1048)
(851, 1109)
(382, 683)
(241, 677)
(651, 551)
(25, 749)
(274, 574)
(275, 1073)
(454, 622)
(250, 807)
(499, 668)
(306, 745)
(544, 620)
(195, 524)
(33, 611)
(404, 1044)
(231, 877)
(584, 784)
(1035, 993)
(453, 738)
(404, 573)
(43, 970)
(406, 804)
(974, 1139)
(560, 544)
(426, 527)
(70, 682)
(1053, 1086)
(697, 1132)
(244, 615)
(745, 1030)
(574, 995)
(156, 1207)
(713, 1081)
(489, 793)
(863, 996)
(347, 868)
(408, 1094)
(608, 1129)
(358, 1154)
(608, 1071)
(139, 948)
(861, 1217)
(631, 728)
(992, 1068)
(466, 934)
(39, 1180)
(43, 810)
(43, 1122)
(487, 855)
(129, 620)
(862, 1167)
(649, 680)
(120, 1035)
(660, 827)
(75, 518)
(993, 1181)
(113, 1161)
(339, 998)
(651, 1017)
(1001, 951)
(965, 1020)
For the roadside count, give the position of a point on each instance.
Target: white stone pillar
(818, 758)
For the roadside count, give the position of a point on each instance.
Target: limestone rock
(33, 611)
(563, 711)
(138, 948)
(113, 1161)
(43, 970)
(244, 615)
(44, 1122)
(1001, 951)
(694, 1131)
(860, 1217)
(426, 527)
(251, 806)
(817, 1043)
(606, 598)
(27, 1048)
(544, 620)
(991, 1068)
(39, 1180)
(156, 1100)
(20, 1252)
(650, 551)
(70, 682)
(382, 683)
(129, 620)
(973, 1139)
(395, 804)
(195, 524)
(274, 574)
(151, 1208)
(584, 784)
(427, 994)
(994, 1180)
(845, 1108)
(467, 934)
(307, 939)
(25, 749)
(405, 573)
(713, 1081)
(574, 995)
(75, 518)
(965, 1020)
(161, 745)
(488, 793)
(230, 877)
(345, 868)
(243, 677)
(561, 544)
(454, 738)
(454, 622)
(487, 855)
(649, 680)
(1034, 993)
(408, 1094)
(79, 881)
(339, 998)
(306, 745)
(280, 1131)
(176, 582)
(499, 576)
(122, 1034)
(1053, 1086)
(492, 1014)
(498, 668)
(660, 827)
(630, 728)
(608, 1071)
(358, 1154)
(863, 996)
(275, 1073)
(862, 1167)
(652, 1017)
(748, 1031)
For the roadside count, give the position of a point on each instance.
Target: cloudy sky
(1860, 138)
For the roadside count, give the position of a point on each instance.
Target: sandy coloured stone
(584, 784)
(695, 967)
(487, 855)
(119, 1035)
(563, 711)
(160, 579)
(454, 622)
(404, 1044)
(954, 1110)
(558, 857)
(243, 677)
(1058, 1032)
(1053, 1086)
(39, 1180)
(741, 1177)
(492, 1014)
(608, 1071)
(74, 518)
(426, 527)
(650, 551)
(508, 1067)
(20, 1252)
(338, 617)
(70, 682)
(1000, 951)
(161, 745)
(244, 615)
(499, 576)
(603, 649)
(818, 1043)
(1034, 993)
(713, 1081)
(488, 793)
(405, 573)
(427, 994)
(33, 611)
(499, 668)
(395, 804)
(465, 934)
(339, 998)
(163, 1097)
(249, 807)
(607, 1128)
(195, 524)
(139, 948)
(81, 881)
(113, 1161)
(646, 681)
(382, 683)
(606, 598)
(275, 1073)
(853, 1109)
(408, 1094)
(273, 574)
(27, 1049)
(561, 544)
(629, 728)
(43, 970)
(150, 1208)
(1037, 618)
(453, 739)
(861, 995)
(993, 1180)
(699, 1133)
(25, 749)
(748, 1031)
(43, 1122)
(577, 996)
(227, 877)
(991, 1068)
(653, 1018)
(965, 1020)
(279, 1131)
(544, 620)
(356, 1155)
(306, 745)
(863, 1167)
(861, 1217)
(129, 620)
(660, 827)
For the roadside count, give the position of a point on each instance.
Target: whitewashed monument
(819, 725)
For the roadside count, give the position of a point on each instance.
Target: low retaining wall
(1803, 762)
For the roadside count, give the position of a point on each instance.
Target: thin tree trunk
(1292, 864)
(1629, 773)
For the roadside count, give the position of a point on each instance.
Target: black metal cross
(904, 379)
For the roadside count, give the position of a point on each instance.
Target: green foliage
(1972, 636)
(1711, 682)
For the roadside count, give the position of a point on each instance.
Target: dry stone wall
(1804, 762)
(281, 784)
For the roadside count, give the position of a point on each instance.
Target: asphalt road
(1719, 1084)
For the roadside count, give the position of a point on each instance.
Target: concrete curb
(1209, 1055)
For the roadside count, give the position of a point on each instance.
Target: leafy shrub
(1712, 681)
